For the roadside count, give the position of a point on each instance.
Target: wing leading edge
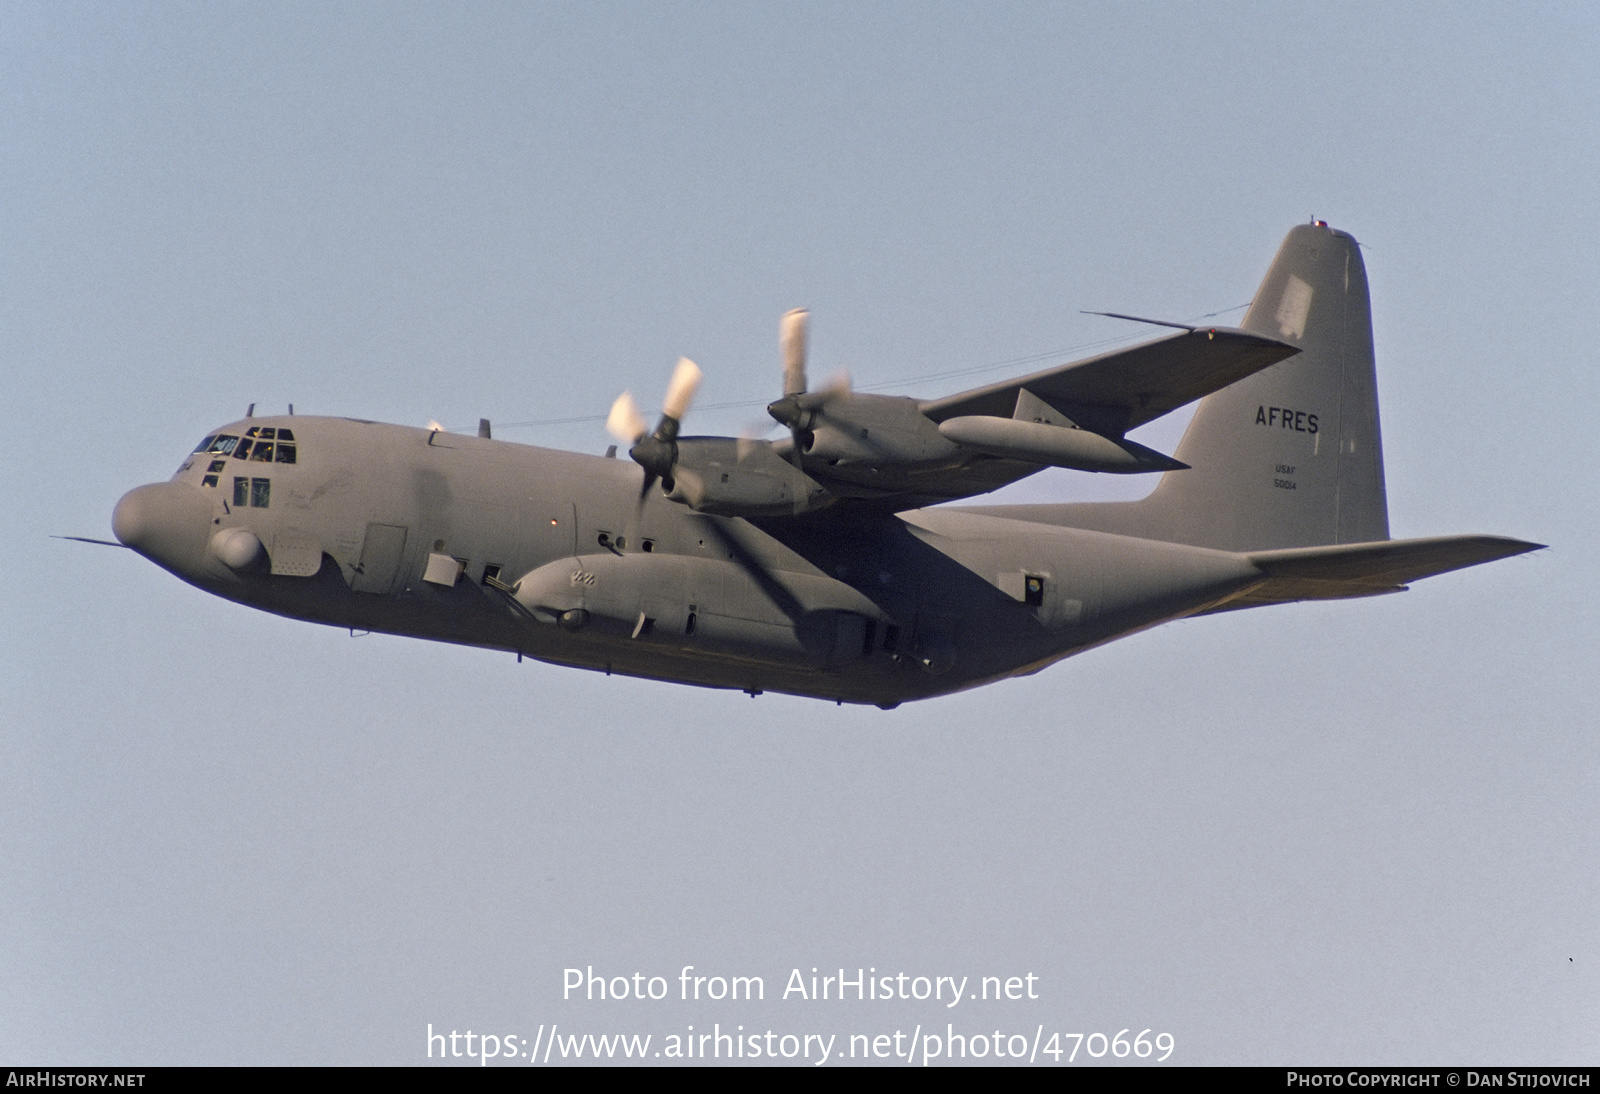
(1124, 389)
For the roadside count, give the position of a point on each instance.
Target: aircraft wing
(1124, 389)
(1351, 570)
(891, 453)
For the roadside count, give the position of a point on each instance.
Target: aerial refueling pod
(667, 600)
(1055, 445)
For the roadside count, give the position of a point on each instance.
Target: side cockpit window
(203, 446)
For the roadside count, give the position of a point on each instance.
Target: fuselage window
(285, 451)
(262, 453)
(222, 445)
(241, 492)
(243, 451)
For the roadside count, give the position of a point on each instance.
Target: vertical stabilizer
(1289, 457)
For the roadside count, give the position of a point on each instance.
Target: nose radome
(167, 522)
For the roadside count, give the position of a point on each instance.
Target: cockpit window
(260, 444)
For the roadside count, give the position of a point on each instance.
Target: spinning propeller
(656, 452)
(798, 409)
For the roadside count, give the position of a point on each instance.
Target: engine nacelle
(738, 479)
(878, 430)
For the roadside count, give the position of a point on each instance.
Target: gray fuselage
(549, 554)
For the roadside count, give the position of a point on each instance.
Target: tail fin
(1289, 457)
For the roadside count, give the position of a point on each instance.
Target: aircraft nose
(167, 522)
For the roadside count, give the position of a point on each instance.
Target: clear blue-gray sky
(1326, 833)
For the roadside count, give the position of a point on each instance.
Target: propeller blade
(792, 337)
(751, 436)
(656, 452)
(834, 386)
(625, 423)
(680, 392)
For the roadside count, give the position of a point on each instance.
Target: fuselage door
(381, 554)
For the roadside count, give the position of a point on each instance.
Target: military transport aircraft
(813, 564)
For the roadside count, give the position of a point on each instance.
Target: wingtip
(1509, 546)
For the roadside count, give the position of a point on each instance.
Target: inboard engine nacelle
(738, 478)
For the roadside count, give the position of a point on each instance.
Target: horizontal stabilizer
(1366, 569)
(1123, 390)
